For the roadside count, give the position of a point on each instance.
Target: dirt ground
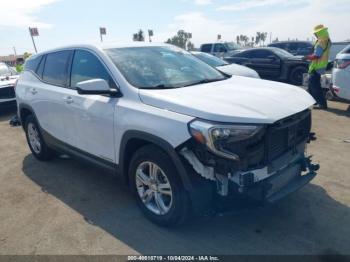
(68, 207)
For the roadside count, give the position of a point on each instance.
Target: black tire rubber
(293, 78)
(46, 153)
(179, 211)
(328, 94)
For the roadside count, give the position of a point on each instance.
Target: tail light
(341, 63)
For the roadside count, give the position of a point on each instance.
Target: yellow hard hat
(319, 28)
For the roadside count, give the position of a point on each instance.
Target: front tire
(35, 140)
(157, 187)
(296, 75)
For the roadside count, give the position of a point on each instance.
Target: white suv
(181, 134)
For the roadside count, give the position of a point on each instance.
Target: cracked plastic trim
(204, 171)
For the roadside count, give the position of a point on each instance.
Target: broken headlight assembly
(215, 136)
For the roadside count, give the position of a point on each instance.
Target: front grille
(7, 92)
(287, 133)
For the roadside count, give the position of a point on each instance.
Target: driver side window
(87, 66)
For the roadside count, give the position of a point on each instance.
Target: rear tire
(160, 194)
(296, 75)
(35, 140)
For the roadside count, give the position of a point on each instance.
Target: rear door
(92, 115)
(48, 95)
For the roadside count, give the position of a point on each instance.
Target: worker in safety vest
(318, 65)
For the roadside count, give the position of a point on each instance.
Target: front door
(93, 114)
(266, 63)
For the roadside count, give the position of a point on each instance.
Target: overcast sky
(63, 22)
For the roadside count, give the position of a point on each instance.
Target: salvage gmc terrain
(179, 132)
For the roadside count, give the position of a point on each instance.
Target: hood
(297, 59)
(235, 100)
(233, 52)
(238, 70)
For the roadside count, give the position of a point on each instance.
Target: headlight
(214, 135)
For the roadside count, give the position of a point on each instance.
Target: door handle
(68, 99)
(33, 91)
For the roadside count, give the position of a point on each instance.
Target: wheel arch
(292, 68)
(132, 140)
(24, 111)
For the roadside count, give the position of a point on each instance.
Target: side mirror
(95, 87)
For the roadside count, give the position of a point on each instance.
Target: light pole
(102, 32)
(33, 31)
(150, 33)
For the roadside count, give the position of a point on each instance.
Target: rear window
(39, 71)
(206, 48)
(32, 63)
(210, 59)
(56, 68)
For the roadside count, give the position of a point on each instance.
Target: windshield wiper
(160, 86)
(204, 81)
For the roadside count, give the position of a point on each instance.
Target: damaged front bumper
(278, 179)
(279, 183)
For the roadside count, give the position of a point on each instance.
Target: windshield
(161, 67)
(210, 59)
(4, 70)
(232, 46)
(282, 52)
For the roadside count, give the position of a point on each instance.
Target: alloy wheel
(153, 188)
(34, 139)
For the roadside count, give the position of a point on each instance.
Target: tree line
(183, 39)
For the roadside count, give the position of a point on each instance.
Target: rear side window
(87, 66)
(56, 68)
(39, 71)
(206, 48)
(32, 64)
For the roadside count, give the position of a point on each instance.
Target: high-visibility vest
(322, 62)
